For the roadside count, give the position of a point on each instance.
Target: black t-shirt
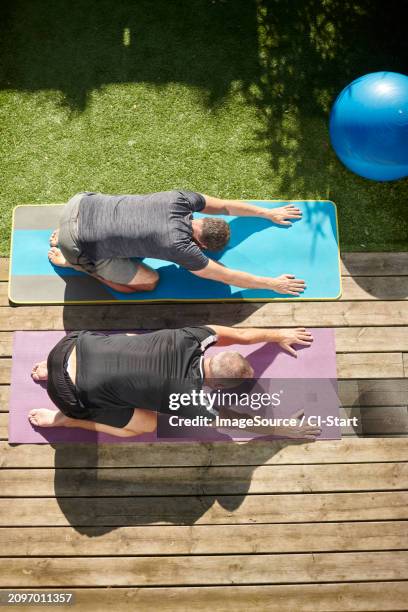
(117, 373)
(154, 225)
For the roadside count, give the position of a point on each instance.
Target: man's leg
(139, 277)
(142, 421)
(121, 274)
(127, 276)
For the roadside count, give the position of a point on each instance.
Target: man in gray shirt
(106, 236)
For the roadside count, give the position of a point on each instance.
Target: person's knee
(148, 283)
(125, 288)
(151, 423)
(152, 282)
(147, 424)
(126, 433)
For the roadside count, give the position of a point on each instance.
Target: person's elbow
(203, 272)
(246, 336)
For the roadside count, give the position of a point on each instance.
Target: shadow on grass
(289, 60)
(309, 51)
(77, 47)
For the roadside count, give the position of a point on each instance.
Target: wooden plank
(338, 597)
(204, 539)
(375, 288)
(373, 392)
(4, 268)
(348, 339)
(4, 301)
(5, 371)
(370, 365)
(6, 344)
(350, 343)
(374, 264)
(203, 510)
(371, 339)
(145, 316)
(3, 426)
(372, 420)
(349, 365)
(237, 480)
(358, 392)
(4, 397)
(405, 362)
(172, 454)
(354, 288)
(352, 264)
(203, 570)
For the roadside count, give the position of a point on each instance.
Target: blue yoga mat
(308, 249)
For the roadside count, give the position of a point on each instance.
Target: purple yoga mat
(314, 372)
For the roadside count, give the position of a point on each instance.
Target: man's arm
(281, 215)
(286, 338)
(285, 284)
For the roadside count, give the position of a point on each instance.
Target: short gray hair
(228, 366)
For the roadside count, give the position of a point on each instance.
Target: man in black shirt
(106, 236)
(117, 383)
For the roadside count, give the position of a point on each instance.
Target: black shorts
(65, 395)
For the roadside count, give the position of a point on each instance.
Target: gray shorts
(117, 270)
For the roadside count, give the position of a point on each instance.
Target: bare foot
(39, 371)
(54, 238)
(42, 417)
(56, 257)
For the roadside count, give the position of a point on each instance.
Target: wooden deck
(225, 527)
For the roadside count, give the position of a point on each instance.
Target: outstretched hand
(284, 215)
(287, 284)
(301, 431)
(289, 337)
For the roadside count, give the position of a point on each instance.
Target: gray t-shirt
(153, 225)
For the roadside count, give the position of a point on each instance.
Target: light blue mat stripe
(307, 249)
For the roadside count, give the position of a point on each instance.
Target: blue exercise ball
(369, 126)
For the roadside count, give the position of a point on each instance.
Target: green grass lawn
(228, 97)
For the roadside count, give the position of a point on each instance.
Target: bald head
(227, 367)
